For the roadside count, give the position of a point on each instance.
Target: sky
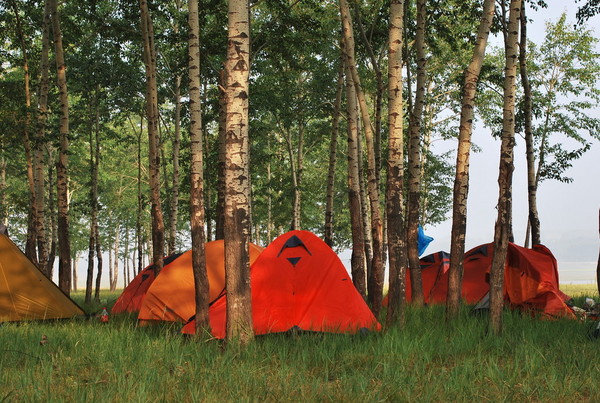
(568, 211)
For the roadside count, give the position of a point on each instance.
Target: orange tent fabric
(171, 296)
(530, 278)
(25, 292)
(298, 282)
(132, 296)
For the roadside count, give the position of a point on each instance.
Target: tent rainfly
(25, 292)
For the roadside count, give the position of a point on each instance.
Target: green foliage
(563, 73)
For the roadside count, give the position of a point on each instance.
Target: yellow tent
(25, 292)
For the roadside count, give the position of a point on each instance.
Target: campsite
(85, 360)
(126, 357)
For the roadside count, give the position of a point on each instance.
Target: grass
(426, 361)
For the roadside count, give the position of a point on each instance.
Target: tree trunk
(220, 208)
(74, 276)
(99, 269)
(175, 188)
(93, 206)
(62, 192)
(335, 128)
(43, 243)
(377, 276)
(501, 233)
(358, 248)
(3, 204)
(115, 263)
(197, 174)
(414, 161)
(53, 238)
(237, 177)
(158, 226)
(33, 221)
(126, 259)
(138, 219)
(534, 221)
(461, 179)
(379, 93)
(295, 170)
(395, 179)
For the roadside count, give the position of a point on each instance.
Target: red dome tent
(530, 278)
(298, 282)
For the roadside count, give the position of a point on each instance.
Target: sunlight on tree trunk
(358, 252)
(201, 285)
(461, 180)
(237, 178)
(64, 242)
(158, 226)
(395, 179)
(501, 230)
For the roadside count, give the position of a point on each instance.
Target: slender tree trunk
(377, 271)
(197, 174)
(335, 128)
(43, 243)
(93, 210)
(126, 259)
(158, 226)
(379, 93)
(533, 222)
(138, 219)
(99, 268)
(270, 228)
(364, 204)
(237, 178)
(53, 238)
(115, 263)
(358, 250)
(62, 193)
(30, 246)
(501, 234)
(74, 275)
(461, 179)
(295, 171)
(3, 204)
(175, 188)
(395, 180)
(220, 208)
(414, 161)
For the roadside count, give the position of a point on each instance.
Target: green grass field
(426, 361)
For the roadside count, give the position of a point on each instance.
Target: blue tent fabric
(423, 240)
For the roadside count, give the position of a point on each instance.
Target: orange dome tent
(298, 282)
(171, 296)
(132, 296)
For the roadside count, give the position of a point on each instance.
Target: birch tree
(501, 228)
(158, 227)
(461, 179)
(395, 180)
(62, 191)
(196, 173)
(237, 176)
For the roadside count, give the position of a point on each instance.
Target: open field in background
(426, 361)
(578, 290)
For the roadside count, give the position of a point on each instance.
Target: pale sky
(568, 211)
